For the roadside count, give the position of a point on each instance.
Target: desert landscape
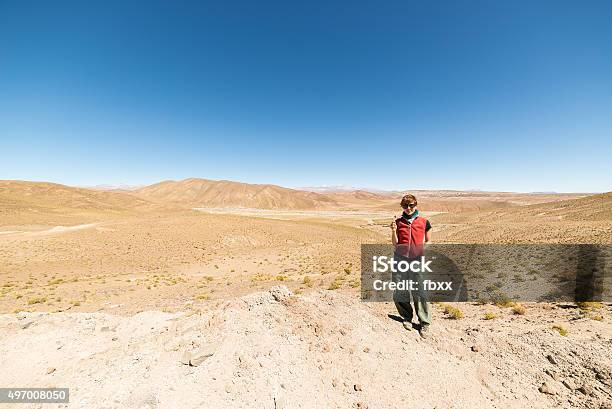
(226, 294)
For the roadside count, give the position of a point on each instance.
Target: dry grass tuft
(518, 309)
(590, 305)
(453, 313)
(490, 316)
(37, 300)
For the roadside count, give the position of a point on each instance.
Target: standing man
(409, 233)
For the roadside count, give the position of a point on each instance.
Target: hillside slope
(222, 193)
(35, 202)
(583, 220)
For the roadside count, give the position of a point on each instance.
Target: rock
(361, 405)
(105, 329)
(280, 293)
(548, 388)
(50, 370)
(475, 348)
(186, 357)
(357, 387)
(603, 378)
(195, 358)
(551, 359)
(569, 384)
(366, 350)
(201, 355)
(586, 389)
(553, 374)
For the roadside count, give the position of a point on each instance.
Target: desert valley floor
(221, 294)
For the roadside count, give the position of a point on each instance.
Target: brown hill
(222, 193)
(34, 202)
(584, 220)
(591, 208)
(594, 208)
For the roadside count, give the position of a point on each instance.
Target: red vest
(410, 237)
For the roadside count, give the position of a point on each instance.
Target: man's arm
(394, 232)
(428, 232)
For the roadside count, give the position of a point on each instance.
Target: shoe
(407, 324)
(424, 331)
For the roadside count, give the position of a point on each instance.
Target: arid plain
(208, 264)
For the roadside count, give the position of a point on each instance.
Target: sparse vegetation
(336, 284)
(490, 316)
(519, 309)
(560, 329)
(590, 305)
(453, 312)
(37, 300)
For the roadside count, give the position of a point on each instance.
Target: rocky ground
(320, 349)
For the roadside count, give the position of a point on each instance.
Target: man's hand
(393, 224)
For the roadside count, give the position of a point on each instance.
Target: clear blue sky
(491, 95)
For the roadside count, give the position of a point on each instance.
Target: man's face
(410, 208)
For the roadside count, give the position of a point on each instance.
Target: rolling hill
(222, 193)
(35, 202)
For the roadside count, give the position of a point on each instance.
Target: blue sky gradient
(490, 95)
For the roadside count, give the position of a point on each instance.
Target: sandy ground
(322, 349)
(266, 303)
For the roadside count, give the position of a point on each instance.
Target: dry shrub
(335, 284)
(518, 309)
(560, 329)
(453, 313)
(590, 305)
(37, 300)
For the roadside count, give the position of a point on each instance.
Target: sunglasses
(411, 205)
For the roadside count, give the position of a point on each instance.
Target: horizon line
(310, 188)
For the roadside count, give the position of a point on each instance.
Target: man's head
(408, 203)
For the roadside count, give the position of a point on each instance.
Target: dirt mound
(273, 350)
(223, 193)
